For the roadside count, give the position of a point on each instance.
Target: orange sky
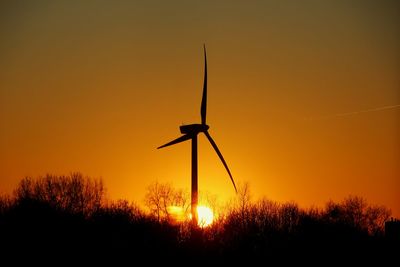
(96, 86)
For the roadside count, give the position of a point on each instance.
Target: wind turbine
(190, 132)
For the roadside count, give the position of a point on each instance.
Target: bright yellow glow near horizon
(97, 86)
(205, 216)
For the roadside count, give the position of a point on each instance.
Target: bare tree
(160, 197)
(268, 214)
(356, 212)
(289, 216)
(376, 218)
(180, 198)
(211, 201)
(73, 193)
(244, 200)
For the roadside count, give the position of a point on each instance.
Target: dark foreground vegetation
(67, 220)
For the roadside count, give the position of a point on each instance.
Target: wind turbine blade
(220, 156)
(203, 110)
(176, 141)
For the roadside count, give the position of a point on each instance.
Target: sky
(303, 96)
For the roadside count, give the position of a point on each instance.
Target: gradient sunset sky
(96, 86)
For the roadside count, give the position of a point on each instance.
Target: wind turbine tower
(190, 132)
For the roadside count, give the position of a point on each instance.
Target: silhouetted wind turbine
(190, 132)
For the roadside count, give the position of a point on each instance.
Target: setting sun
(205, 216)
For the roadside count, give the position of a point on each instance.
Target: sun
(205, 216)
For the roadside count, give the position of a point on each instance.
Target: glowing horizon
(96, 87)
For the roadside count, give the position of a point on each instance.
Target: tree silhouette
(68, 217)
(71, 193)
(355, 212)
(160, 197)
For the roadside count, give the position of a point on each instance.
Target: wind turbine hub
(193, 129)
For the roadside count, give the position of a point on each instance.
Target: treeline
(69, 218)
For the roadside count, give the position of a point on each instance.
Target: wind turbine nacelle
(193, 128)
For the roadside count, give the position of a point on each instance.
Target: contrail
(366, 110)
(354, 112)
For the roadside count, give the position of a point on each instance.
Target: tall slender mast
(195, 195)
